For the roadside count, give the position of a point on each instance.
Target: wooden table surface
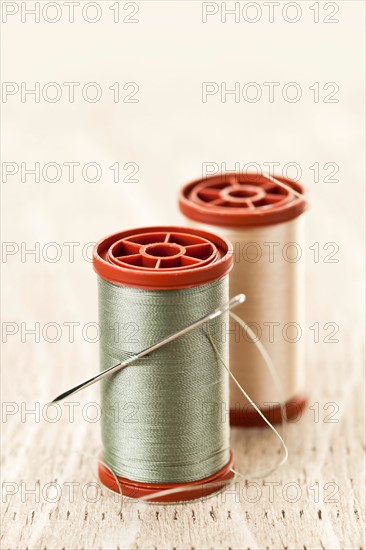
(51, 498)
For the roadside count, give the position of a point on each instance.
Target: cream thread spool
(258, 215)
(160, 260)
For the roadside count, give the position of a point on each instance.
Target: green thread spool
(163, 426)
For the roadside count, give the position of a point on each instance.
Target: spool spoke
(269, 186)
(272, 198)
(183, 240)
(201, 251)
(232, 180)
(219, 202)
(189, 260)
(128, 247)
(236, 204)
(132, 259)
(209, 194)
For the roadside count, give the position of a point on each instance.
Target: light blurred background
(168, 136)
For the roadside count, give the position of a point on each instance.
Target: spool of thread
(261, 219)
(162, 422)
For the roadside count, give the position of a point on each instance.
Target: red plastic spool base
(162, 258)
(240, 200)
(197, 489)
(248, 417)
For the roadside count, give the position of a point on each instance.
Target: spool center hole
(163, 250)
(242, 193)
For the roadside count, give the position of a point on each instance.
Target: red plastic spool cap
(240, 200)
(162, 257)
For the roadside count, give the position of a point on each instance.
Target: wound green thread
(163, 418)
